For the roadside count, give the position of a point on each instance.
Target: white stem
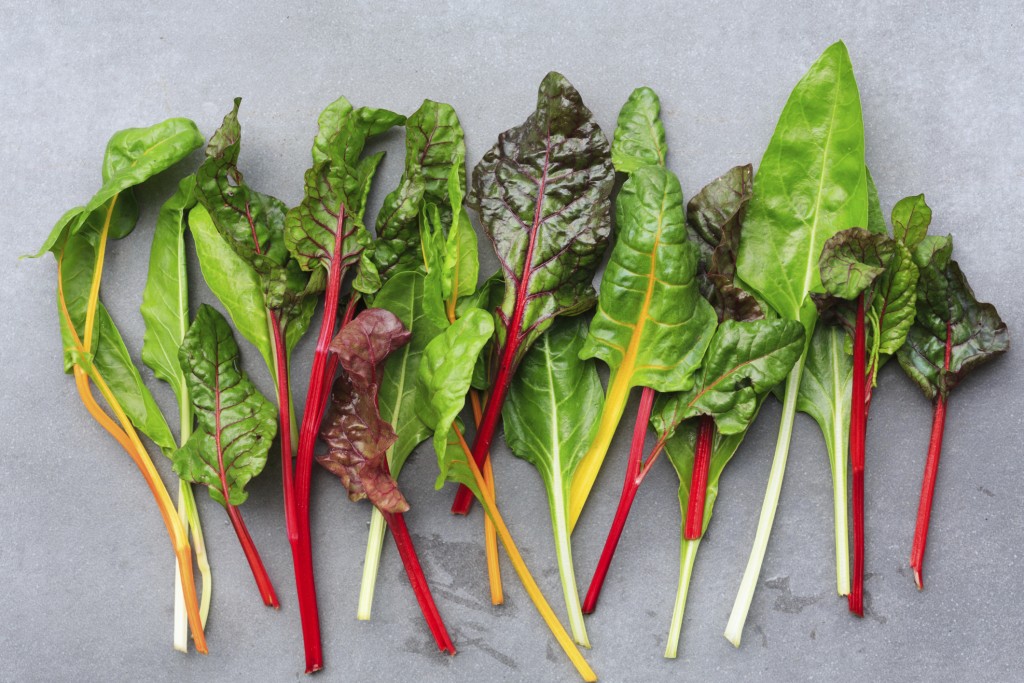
(563, 550)
(180, 616)
(839, 505)
(371, 564)
(687, 555)
(740, 608)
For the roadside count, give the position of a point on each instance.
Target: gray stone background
(84, 559)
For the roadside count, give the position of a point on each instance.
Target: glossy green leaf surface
(443, 380)
(744, 361)
(639, 133)
(235, 423)
(542, 192)
(910, 220)
(165, 297)
(651, 322)
(811, 184)
(357, 437)
(946, 302)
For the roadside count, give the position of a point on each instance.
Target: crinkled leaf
(165, 297)
(403, 296)
(443, 380)
(910, 220)
(235, 423)
(553, 407)
(639, 133)
(542, 193)
(744, 362)
(651, 321)
(811, 184)
(714, 220)
(852, 260)
(357, 437)
(976, 332)
(434, 148)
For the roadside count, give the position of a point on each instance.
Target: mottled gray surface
(84, 560)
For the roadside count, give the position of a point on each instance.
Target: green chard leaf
(639, 133)
(550, 417)
(744, 361)
(910, 220)
(443, 380)
(811, 184)
(357, 437)
(543, 195)
(236, 424)
(165, 297)
(714, 221)
(434, 150)
(950, 320)
(825, 390)
(852, 260)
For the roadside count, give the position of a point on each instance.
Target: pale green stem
(180, 617)
(371, 564)
(563, 550)
(740, 608)
(687, 555)
(839, 492)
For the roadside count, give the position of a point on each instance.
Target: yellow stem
(97, 275)
(532, 589)
(490, 536)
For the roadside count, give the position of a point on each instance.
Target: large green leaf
(948, 314)
(403, 296)
(744, 361)
(165, 296)
(810, 185)
(652, 326)
(236, 424)
(542, 193)
(443, 380)
(639, 133)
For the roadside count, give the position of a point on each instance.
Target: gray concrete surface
(84, 560)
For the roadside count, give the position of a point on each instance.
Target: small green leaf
(910, 220)
(639, 133)
(852, 260)
(236, 424)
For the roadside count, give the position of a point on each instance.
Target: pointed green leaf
(910, 220)
(236, 424)
(639, 133)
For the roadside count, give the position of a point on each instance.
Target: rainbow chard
(542, 193)
(165, 312)
(94, 350)
(443, 379)
(235, 428)
(243, 252)
(810, 185)
(652, 325)
(358, 440)
(952, 334)
(549, 417)
(326, 235)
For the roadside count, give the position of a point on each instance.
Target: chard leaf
(714, 220)
(542, 193)
(876, 221)
(443, 380)
(652, 326)
(947, 308)
(403, 296)
(434, 148)
(235, 423)
(487, 297)
(825, 390)
(811, 183)
(338, 178)
(910, 220)
(165, 297)
(852, 260)
(744, 361)
(357, 437)
(639, 133)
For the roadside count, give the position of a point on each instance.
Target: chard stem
(931, 473)
(180, 618)
(371, 565)
(694, 526)
(490, 536)
(199, 546)
(563, 549)
(740, 608)
(687, 555)
(858, 425)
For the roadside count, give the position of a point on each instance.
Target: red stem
(635, 472)
(399, 532)
(858, 425)
(931, 471)
(253, 556)
(699, 480)
(513, 340)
